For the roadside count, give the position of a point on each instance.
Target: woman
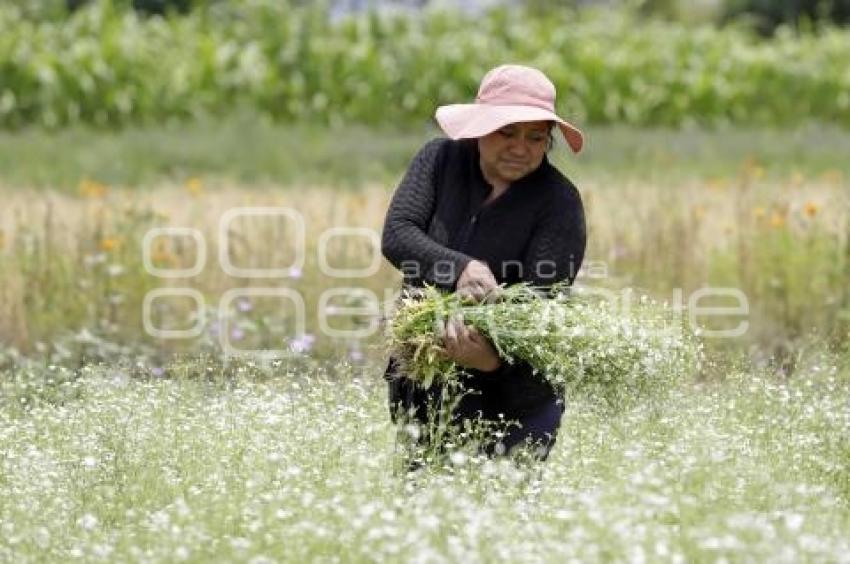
(483, 208)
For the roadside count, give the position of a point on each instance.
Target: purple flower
(237, 334)
(302, 344)
(244, 304)
(355, 355)
(295, 272)
(158, 371)
(619, 251)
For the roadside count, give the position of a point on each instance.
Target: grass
(766, 212)
(73, 262)
(146, 458)
(287, 465)
(245, 149)
(248, 150)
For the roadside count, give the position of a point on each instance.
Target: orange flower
(698, 212)
(195, 186)
(753, 169)
(162, 254)
(717, 184)
(109, 244)
(777, 220)
(810, 209)
(160, 258)
(91, 189)
(833, 176)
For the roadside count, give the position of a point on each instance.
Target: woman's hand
(477, 281)
(467, 347)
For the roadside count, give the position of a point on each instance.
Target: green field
(715, 159)
(106, 65)
(148, 457)
(246, 149)
(762, 210)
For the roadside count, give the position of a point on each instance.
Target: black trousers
(409, 402)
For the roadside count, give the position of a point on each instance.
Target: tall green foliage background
(108, 65)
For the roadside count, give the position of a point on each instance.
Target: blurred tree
(39, 9)
(162, 6)
(159, 7)
(543, 7)
(664, 8)
(767, 15)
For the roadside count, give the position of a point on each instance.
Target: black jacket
(436, 223)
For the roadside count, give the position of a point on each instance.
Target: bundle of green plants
(576, 341)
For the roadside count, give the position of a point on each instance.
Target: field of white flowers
(144, 458)
(120, 442)
(297, 463)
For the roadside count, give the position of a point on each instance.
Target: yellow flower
(698, 212)
(833, 176)
(777, 220)
(195, 186)
(759, 213)
(109, 244)
(797, 178)
(810, 209)
(162, 254)
(753, 169)
(91, 189)
(162, 258)
(717, 184)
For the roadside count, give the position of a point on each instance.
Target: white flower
(412, 430)
(87, 522)
(458, 458)
(793, 521)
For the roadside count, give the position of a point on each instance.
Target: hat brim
(463, 121)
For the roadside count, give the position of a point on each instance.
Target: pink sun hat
(507, 94)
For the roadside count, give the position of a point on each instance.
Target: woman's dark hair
(550, 142)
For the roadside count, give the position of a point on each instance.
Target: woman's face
(513, 151)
